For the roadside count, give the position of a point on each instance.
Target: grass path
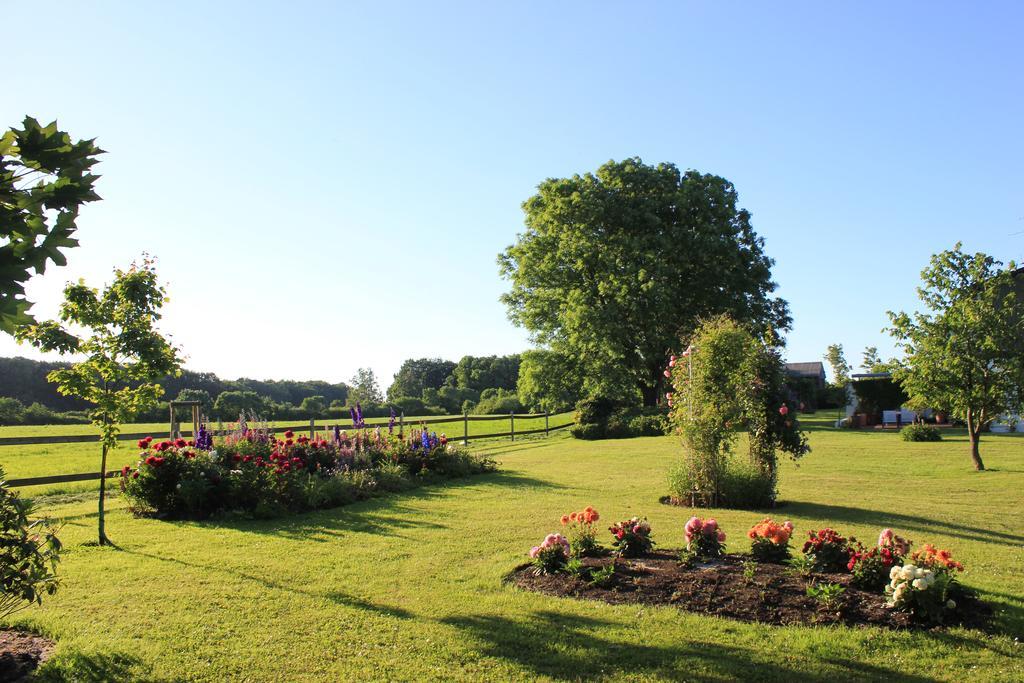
(410, 587)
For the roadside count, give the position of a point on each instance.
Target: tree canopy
(44, 179)
(965, 353)
(123, 354)
(417, 374)
(615, 266)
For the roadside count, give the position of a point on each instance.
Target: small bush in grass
(769, 540)
(589, 431)
(920, 432)
(551, 556)
(704, 539)
(741, 485)
(922, 592)
(29, 553)
(582, 536)
(632, 538)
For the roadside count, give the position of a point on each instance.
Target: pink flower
(672, 362)
(789, 525)
(551, 539)
(693, 524)
(534, 552)
(885, 538)
(710, 526)
(784, 410)
(721, 536)
(668, 373)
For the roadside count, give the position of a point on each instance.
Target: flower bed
(833, 580)
(253, 472)
(774, 595)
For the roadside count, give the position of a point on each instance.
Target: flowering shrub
(29, 553)
(704, 538)
(921, 591)
(870, 566)
(551, 556)
(254, 471)
(939, 561)
(829, 551)
(582, 536)
(632, 537)
(769, 540)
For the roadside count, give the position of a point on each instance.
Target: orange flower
(565, 519)
(572, 516)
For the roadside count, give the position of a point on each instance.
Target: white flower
(178, 487)
(918, 573)
(907, 572)
(920, 584)
(950, 604)
(894, 572)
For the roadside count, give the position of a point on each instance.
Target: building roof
(815, 369)
(870, 375)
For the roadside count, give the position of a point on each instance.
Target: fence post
(512, 423)
(312, 427)
(465, 428)
(547, 431)
(401, 424)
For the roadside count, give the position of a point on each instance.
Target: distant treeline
(24, 381)
(425, 386)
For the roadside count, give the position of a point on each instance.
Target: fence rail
(310, 426)
(90, 476)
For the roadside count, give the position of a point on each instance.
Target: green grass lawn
(410, 587)
(39, 460)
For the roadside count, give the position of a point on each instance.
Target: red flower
(149, 439)
(237, 457)
(135, 475)
(143, 444)
(180, 443)
(247, 458)
(289, 434)
(150, 460)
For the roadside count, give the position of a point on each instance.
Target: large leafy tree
(615, 266)
(417, 374)
(548, 381)
(44, 179)
(123, 354)
(365, 388)
(965, 352)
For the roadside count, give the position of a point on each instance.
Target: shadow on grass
(347, 600)
(95, 668)
(881, 518)
(569, 647)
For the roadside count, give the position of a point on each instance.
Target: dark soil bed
(774, 595)
(21, 653)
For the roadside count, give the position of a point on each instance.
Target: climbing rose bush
(769, 540)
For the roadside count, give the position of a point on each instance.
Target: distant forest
(25, 380)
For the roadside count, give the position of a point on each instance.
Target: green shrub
(29, 553)
(588, 431)
(595, 410)
(741, 485)
(919, 432)
(648, 425)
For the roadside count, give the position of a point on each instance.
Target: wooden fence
(312, 428)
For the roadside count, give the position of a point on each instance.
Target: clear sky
(327, 186)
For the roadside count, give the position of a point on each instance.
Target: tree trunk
(975, 433)
(650, 395)
(652, 392)
(103, 492)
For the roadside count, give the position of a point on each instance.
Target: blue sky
(327, 186)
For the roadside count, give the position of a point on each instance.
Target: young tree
(313, 406)
(365, 388)
(965, 354)
(840, 374)
(872, 362)
(615, 266)
(44, 179)
(124, 353)
(837, 361)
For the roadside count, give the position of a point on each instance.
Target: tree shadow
(341, 598)
(567, 647)
(880, 518)
(98, 667)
